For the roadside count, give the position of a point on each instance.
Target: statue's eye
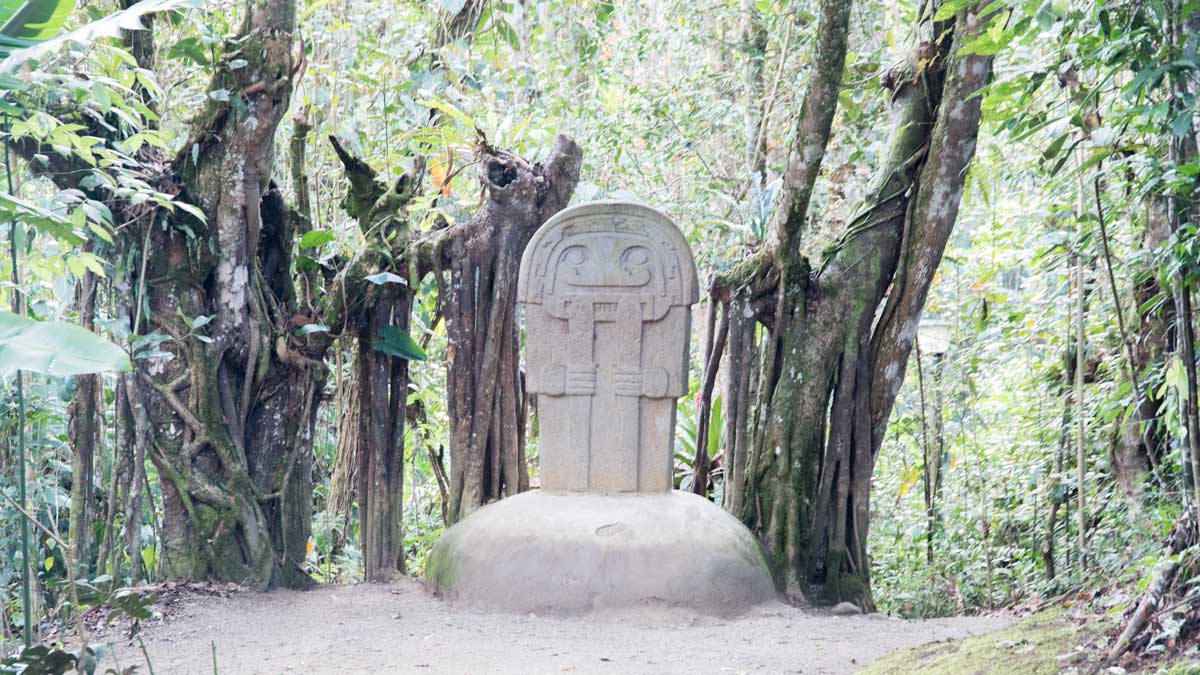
(575, 255)
(638, 255)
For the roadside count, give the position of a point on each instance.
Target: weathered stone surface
(606, 289)
(570, 553)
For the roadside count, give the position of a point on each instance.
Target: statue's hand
(649, 382)
(580, 381)
(655, 382)
(627, 381)
(559, 380)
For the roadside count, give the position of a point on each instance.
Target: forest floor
(399, 628)
(1048, 642)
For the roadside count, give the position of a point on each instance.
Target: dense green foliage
(1079, 130)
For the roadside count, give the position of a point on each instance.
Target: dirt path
(400, 629)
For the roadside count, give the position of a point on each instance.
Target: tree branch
(813, 123)
(939, 192)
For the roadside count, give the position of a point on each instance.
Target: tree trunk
(487, 406)
(140, 435)
(487, 401)
(715, 338)
(380, 382)
(1185, 208)
(840, 336)
(776, 482)
(343, 482)
(84, 434)
(230, 414)
(107, 558)
(1054, 495)
(933, 443)
(740, 391)
(383, 394)
(810, 501)
(1141, 435)
(227, 401)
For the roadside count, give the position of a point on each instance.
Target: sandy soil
(400, 629)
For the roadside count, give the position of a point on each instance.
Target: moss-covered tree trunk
(84, 434)
(838, 336)
(383, 394)
(371, 312)
(778, 478)
(229, 413)
(226, 387)
(1141, 439)
(108, 546)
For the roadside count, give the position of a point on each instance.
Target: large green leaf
(31, 27)
(386, 278)
(396, 342)
(55, 348)
(316, 238)
(14, 208)
(25, 24)
(31, 21)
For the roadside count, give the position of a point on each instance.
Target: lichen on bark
(837, 334)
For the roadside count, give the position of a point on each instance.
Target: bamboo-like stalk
(1080, 417)
(926, 478)
(22, 487)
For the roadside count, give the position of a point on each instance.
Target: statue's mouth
(625, 278)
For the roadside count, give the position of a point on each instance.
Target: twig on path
(1182, 539)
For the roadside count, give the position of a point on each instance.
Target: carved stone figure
(607, 290)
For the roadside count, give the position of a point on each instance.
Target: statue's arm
(542, 374)
(549, 369)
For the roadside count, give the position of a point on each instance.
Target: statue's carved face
(591, 264)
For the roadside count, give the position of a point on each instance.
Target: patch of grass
(1032, 646)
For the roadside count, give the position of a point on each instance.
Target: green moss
(441, 567)
(1030, 647)
(845, 586)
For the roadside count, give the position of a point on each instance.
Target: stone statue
(607, 289)
(607, 294)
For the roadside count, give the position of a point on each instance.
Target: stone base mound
(570, 553)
